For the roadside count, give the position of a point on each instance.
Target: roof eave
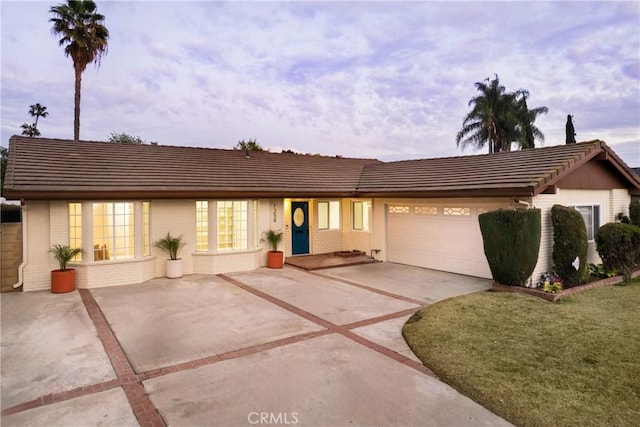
(189, 194)
(432, 194)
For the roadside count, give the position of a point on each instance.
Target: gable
(594, 175)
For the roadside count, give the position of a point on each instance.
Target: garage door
(440, 237)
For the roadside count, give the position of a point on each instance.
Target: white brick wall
(619, 200)
(611, 202)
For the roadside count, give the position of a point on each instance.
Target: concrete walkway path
(274, 347)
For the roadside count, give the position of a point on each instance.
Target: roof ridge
(501, 153)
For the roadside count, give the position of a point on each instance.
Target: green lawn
(535, 363)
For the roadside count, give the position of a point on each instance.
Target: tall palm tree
(489, 119)
(499, 118)
(84, 38)
(37, 111)
(526, 132)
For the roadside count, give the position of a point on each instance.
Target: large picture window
(361, 215)
(329, 215)
(232, 225)
(113, 231)
(591, 216)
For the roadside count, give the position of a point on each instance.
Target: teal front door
(299, 228)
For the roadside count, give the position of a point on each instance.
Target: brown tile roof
(56, 169)
(516, 173)
(51, 168)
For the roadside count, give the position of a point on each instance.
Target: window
(399, 209)
(426, 210)
(146, 229)
(75, 228)
(256, 227)
(232, 225)
(457, 211)
(361, 213)
(113, 231)
(202, 226)
(329, 215)
(591, 216)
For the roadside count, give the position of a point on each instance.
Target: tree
(250, 145)
(124, 138)
(30, 130)
(36, 110)
(499, 118)
(570, 131)
(84, 38)
(4, 159)
(526, 132)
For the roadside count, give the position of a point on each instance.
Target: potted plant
(275, 258)
(172, 245)
(64, 279)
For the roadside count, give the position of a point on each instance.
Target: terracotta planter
(174, 268)
(275, 259)
(63, 281)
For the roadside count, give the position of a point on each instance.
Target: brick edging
(549, 296)
(142, 407)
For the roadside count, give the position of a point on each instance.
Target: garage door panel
(448, 243)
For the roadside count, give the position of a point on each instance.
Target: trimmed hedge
(634, 212)
(511, 243)
(618, 245)
(569, 242)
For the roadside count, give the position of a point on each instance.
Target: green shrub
(511, 243)
(619, 247)
(634, 212)
(600, 271)
(569, 243)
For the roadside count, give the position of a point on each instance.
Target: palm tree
(84, 38)
(30, 130)
(526, 132)
(489, 119)
(36, 110)
(499, 118)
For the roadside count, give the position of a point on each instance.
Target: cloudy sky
(389, 80)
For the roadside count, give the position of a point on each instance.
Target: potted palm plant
(64, 279)
(172, 245)
(275, 258)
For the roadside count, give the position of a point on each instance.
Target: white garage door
(440, 237)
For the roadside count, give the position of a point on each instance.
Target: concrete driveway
(274, 347)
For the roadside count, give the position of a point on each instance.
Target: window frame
(361, 217)
(202, 226)
(108, 249)
(75, 228)
(332, 220)
(237, 243)
(594, 224)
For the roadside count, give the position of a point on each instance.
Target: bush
(569, 243)
(619, 247)
(634, 213)
(511, 243)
